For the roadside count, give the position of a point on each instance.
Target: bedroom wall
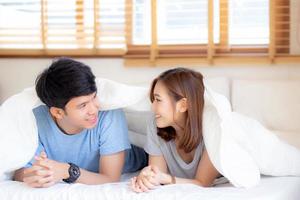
(295, 27)
(19, 73)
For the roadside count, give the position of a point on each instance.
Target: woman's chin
(161, 125)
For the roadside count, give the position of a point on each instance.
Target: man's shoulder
(111, 118)
(110, 114)
(41, 111)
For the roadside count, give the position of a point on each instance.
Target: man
(77, 142)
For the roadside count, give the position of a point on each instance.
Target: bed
(270, 188)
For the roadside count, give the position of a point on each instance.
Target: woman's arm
(145, 181)
(158, 161)
(205, 176)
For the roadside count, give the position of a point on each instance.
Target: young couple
(80, 144)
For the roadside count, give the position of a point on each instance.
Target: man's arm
(19, 175)
(35, 176)
(110, 170)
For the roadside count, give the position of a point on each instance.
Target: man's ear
(58, 113)
(182, 105)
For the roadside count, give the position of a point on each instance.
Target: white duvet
(239, 147)
(270, 188)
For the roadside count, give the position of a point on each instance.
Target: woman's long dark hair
(184, 83)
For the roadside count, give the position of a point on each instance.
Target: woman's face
(163, 106)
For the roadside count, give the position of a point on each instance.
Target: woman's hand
(161, 177)
(146, 180)
(149, 177)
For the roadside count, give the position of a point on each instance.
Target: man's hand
(38, 176)
(59, 170)
(45, 172)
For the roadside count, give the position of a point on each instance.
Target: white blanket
(270, 188)
(240, 148)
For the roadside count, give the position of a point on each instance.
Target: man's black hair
(63, 80)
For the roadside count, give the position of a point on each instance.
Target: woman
(175, 144)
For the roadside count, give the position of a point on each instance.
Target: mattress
(270, 188)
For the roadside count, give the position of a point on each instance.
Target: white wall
(19, 73)
(295, 27)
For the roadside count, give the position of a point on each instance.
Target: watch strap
(74, 173)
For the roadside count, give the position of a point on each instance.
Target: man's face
(82, 112)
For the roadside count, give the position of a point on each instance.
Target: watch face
(75, 171)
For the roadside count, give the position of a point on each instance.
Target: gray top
(177, 167)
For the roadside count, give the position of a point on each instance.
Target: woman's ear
(182, 105)
(58, 113)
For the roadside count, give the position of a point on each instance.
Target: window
(66, 29)
(179, 21)
(145, 28)
(60, 27)
(249, 22)
(20, 24)
(142, 22)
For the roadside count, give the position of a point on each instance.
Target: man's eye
(83, 105)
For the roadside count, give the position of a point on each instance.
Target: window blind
(281, 29)
(20, 25)
(147, 29)
(63, 27)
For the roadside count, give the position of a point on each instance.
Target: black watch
(74, 173)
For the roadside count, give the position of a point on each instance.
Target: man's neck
(68, 130)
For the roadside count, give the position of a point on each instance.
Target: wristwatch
(74, 173)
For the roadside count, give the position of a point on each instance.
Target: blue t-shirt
(84, 149)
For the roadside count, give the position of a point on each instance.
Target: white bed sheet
(270, 188)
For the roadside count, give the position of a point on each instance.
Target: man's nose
(94, 108)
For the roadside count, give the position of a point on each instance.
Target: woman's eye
(158, 100)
